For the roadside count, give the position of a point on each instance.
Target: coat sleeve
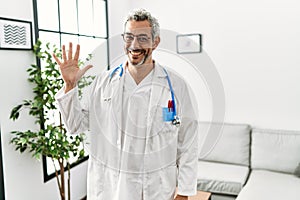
(187, 148)
(74, 113)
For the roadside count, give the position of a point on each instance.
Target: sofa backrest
(275, 150)
(228, 143)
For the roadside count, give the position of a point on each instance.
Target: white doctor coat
(135, 166)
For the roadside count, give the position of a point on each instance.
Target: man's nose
(135, 43)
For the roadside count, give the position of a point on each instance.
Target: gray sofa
(246, 163)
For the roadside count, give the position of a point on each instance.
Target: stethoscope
(175, 119)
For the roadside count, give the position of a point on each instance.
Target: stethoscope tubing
(176, 120)
(172, 93)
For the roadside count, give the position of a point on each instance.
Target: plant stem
(57, 179)
(69, 181)
(62, 178)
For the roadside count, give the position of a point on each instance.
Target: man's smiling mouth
(136, 52)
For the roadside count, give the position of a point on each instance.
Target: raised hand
(69, 68)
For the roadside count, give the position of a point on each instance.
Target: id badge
(168, 115)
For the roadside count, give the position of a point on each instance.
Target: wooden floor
(201, 196)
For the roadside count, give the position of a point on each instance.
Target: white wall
(254, 46)
(24, 175)
(117, 11)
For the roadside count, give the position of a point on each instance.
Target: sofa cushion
(265, 185)
(221, 197)
(275, 150)
(224, 142)
(297, 171)
(221, 178)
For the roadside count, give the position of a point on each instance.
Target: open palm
(69, 68)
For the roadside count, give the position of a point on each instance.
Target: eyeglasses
(142, 39)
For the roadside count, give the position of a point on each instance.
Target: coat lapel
(117, 83)
(157, 89)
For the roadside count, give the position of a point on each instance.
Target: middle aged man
(141, 119)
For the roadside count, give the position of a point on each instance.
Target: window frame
(47, 176)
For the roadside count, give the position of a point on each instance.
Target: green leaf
(23, 148)
(23, 141)
(81, 153)
(46, 80)
(15, 112)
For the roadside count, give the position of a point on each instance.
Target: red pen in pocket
(170, 105)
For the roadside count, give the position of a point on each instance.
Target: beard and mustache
(135, 54)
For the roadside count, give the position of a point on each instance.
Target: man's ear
(156, 42)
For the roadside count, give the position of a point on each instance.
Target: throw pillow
(297, 171)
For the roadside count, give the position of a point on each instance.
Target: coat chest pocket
(162, 124)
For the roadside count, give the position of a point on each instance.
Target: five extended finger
(64, 53)
(86, 68)
(76, 57)
(70, 51)
(56, 59)
(82, 71)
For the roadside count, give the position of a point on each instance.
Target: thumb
(83, 71)
(86, 68)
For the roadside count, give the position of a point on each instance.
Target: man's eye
(143, 39)
(129, 38)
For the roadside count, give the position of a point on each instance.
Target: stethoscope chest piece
(176, 121)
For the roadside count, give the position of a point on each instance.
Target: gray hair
(142, 15)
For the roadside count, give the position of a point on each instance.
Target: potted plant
(51, 139)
